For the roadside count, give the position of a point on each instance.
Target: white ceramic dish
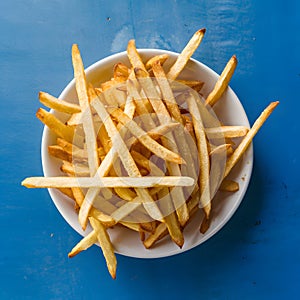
(127, 242)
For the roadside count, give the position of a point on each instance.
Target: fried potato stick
(242, 147)
(55, 125)
(58, 104)
(222, 82)
(186, 54)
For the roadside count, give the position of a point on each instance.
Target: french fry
(59, 152)
(126, 209)
(78, 169)
(68, 192)
(203, 154)
(121, 71)
(194, 84)
(57, 104)
(171, 219)
(55, 125)
(222, 82)
(160, 232)
(222, 132)
(74, 151)
(87, 119)
(186, 54)
(84, 244)
(106, 246)
(243, 146)
(229, 186)
(104, 218)
(111, 182)
(158, 58)
(134, 56)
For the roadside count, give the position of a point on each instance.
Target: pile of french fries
(143, 150)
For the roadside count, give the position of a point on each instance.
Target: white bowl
(126, 242)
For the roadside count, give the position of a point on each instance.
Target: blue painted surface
(257, 254)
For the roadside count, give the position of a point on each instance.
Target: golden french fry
(222, 132)
(68, 192)
(104, 218)
(160, 232)
(229, 186)
(222, 82)
(167, 92)
(134, 56)
(194, 84)
(157, 58)
(57, 104)
(171, 219)
(205, 225)
(58, 152)
(87, 118)
(111, 182)
(242, 147)
(126, 209)
(84, 244)
(75, 119)
(55, 125)
(132, 226)
(174, 111)
(106, 246)
(74, 151)
(203, 154)
(220, 148)
(78, 169)
(186, 54)
(121, 71)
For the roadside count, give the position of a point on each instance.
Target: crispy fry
(158, 58)
(84, 244)
(222, 82)
(229, 186)
(106, 246)
(226, 132)
(67, 191)
(186, 54)
(97, 182)
(78, 169)
(59, 152)
(74, 151)
(55, 125)
(121, 71)
(57, 104)
(194, 84)
(134, 56)
(242, 147)
(87, 119)
(203, 154)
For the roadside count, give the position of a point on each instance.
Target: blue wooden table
(257, 254)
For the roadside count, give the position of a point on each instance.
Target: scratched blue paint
(256, 255)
